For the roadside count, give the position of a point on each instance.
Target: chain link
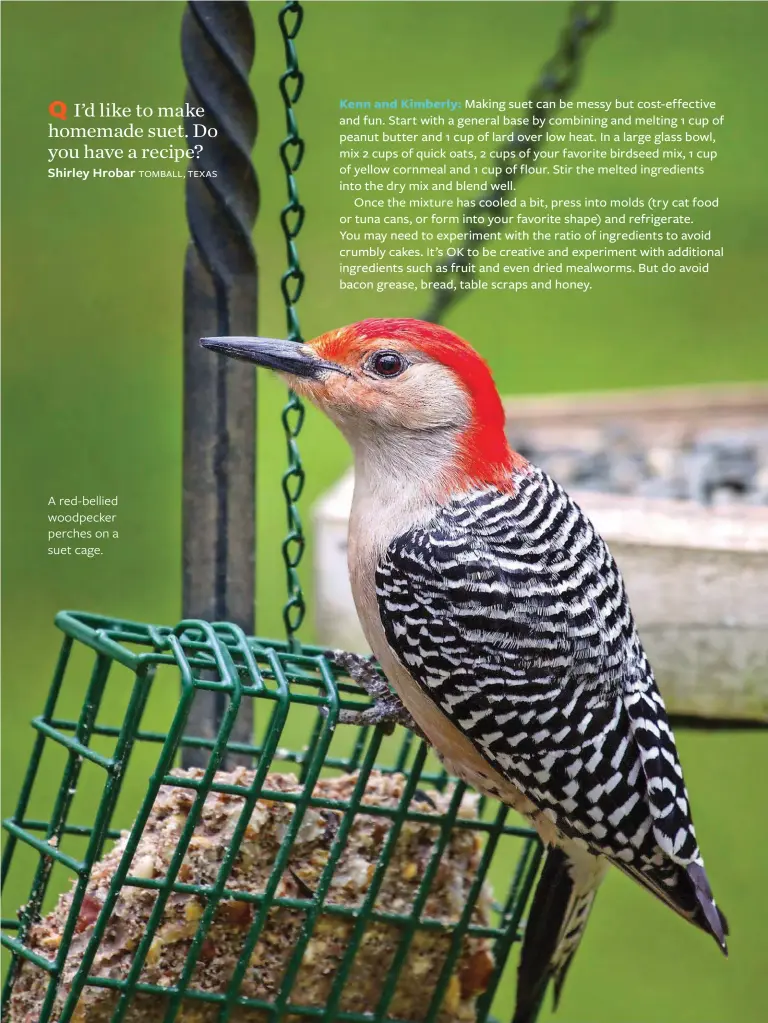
(557, 79)
(291, 285)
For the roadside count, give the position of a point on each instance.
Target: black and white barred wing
(509, 611)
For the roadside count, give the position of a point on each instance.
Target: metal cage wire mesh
(222, 659)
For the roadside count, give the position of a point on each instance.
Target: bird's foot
(387, 710)
(361, 670)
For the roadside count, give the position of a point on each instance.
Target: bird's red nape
(485, 455)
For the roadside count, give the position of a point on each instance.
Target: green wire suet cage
(161, 751)
(130, 664)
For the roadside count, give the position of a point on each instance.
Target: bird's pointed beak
(284, 356)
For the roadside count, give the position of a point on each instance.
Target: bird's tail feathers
(556, 922)
(690, 896)
(713, 917)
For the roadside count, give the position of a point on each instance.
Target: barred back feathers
(509, 611)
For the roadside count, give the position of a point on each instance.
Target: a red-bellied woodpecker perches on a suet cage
(501, 622)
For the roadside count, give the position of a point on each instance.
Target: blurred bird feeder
(198, 861)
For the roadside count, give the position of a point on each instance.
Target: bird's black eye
(387, 364)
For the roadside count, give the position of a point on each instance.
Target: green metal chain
(292, 284)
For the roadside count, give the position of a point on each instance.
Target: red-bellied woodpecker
(501, 622)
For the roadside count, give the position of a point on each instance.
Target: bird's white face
(383, 385)
(411, 398)
(365, 385)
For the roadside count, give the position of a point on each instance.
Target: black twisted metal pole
(220, 297)
(558, 77)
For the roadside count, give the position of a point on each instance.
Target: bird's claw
(361, 670)
(387, 709)
(385, 713)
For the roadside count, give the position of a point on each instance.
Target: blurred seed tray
(695, 560)
(702, 444)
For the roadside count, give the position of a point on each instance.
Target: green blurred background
(92, 367)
